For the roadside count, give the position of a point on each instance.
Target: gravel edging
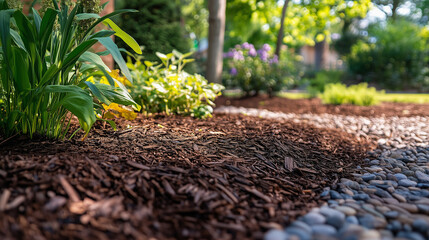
(389, 199)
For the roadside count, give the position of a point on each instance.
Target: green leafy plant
(44, 65)
(359, 94)
(317, 84)
(166, 88)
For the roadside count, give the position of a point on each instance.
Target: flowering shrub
(254, 70)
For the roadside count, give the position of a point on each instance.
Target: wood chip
(74, 197)
(228, 193)
(289, 164)
(15, 202)
(258, 194)
(138, 165)
(4, 199)
(55, 203)
(307, 170)
(168, 188)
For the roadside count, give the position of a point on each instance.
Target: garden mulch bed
(315, 106)
(229, 177)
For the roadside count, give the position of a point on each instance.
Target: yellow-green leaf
(130, 41)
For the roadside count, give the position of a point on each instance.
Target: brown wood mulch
(229, 177)
(315, 106)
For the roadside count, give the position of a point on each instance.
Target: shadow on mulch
(315, 106)
(229, 177)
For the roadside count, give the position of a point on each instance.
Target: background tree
(216, 40)
(393, 5)
(281, 30)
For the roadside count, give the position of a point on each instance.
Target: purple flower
(229, 54)
(252, 52)
(263, 55)
(246, 45)
(274, 60)
(266, 47)
(233, 71)
(238, 55)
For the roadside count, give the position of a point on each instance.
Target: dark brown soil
(230, 177)
(315, 106)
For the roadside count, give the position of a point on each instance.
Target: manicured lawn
(388, 97)
(404, 98)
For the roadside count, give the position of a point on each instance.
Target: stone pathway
(389, 199)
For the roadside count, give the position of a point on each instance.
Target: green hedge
(395, 56)
(360, 94)
(157, 26)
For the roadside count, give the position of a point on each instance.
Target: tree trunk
(281, 31)
(319, 59)
(216, 37)
(395, 7)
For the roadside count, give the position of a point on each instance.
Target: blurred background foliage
(382, 42)
(158, 26)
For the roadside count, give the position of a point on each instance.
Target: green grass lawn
(388, 97)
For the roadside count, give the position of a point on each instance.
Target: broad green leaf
(3, 5)
(77, 52)
(26, 29)
(113, 94)
(102, 33)
(67, 29)
(111, 46)
(148, 63)
(17, 39)
(78, 102)
(46, 28)
(49, 74)
(103, 53)
(95, 59)
(130, 41)
(37, 19)
(5, 31)
(20, 69)
(96, 92)
(87, 67)
(108, 16)
(104, 5)
(86, 16)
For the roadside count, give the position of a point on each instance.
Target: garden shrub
(254, 70)
(157, 26)
(360, 94)
(167, 88)
(44, 65)
(395, 57)
(317, 84)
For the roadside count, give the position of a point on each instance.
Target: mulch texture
(229, 177)
(315, 106)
